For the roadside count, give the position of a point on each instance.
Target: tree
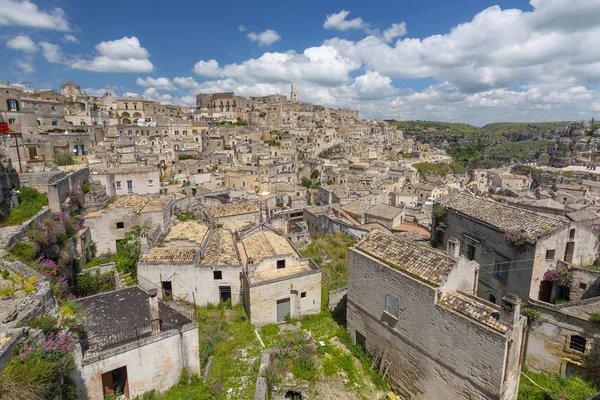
(129, 249)
(64, 158)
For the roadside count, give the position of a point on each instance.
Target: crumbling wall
(59, 187)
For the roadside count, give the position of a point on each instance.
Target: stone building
(481, 231)
(197, 264)
(109, 225)
(133, 343)
(277, 281)
(128, 179)
(246, 211)
(412, 308)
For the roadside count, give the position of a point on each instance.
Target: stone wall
(20, 234)
(435, 353)
(58, 189)
(263, 297)
(336, 300)
(40, 180)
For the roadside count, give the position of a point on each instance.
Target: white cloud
(70, 39)
(152, 94)
(185, 83)
(130, 94)
(52, 52)
(324, 65)
(96, 92)
(159, 83)
(242, 28)
(27, 14)
(265, 38)
(25, 66)
(22, 43)
(121, 55)
(394, 31)
(338, 21)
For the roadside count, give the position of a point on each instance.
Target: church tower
(294, 96)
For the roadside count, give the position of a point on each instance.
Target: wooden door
(283, 309)
(569, 250)
(545, 291)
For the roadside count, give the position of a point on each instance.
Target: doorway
(361, 340)
(569, 250)
(167, 288)
(283, 309)
(224, 293)
(114, 383)
(545, 293)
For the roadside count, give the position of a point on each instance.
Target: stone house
(246, 211)
(128, 179)
(197, 264)
(109, 225)
(277, 281)
(479, 228)
(412, 308)
(510, 181)
(130, 336)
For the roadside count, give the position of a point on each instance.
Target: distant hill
(490, 146)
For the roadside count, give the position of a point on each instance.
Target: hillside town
(267, 248)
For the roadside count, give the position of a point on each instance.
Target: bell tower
(294, 95)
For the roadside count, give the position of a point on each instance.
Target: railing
(38, 158)
(99, 341)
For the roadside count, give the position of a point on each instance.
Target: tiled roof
(221, 249)
(501, 216)
(358, 207)
(225, 210)
(171, 254)
(420, 261)
(474, 309)
(127, 169)
(384, 211)
(582, 215)
(263, 244)
(193, 231)
(133, 202)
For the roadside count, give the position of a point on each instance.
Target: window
(120, 225)
(177, 132)
(470, 252)
(184, 133)
(150, 182)
(130, 186)
(13, 104)
(550, 254)
(147, 132)
(118, 184)
(54, 122)
(167, 287)
(500, 270)
(217, 274)
(280, 264)
(577, 343)
(492, 298)
(582, 286)
(391, 305)
(302, 295)
(11, 120)
(572, 234)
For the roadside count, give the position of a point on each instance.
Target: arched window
(126, 106)
(492, 298)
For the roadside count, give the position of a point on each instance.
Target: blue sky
(475, 61)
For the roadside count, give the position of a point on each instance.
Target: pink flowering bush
(55, 348)
(562, 275)
(515, 237)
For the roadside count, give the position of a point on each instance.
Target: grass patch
(195, 389)
(23, 251)
(101, 259)
(562, 387)
(270, 335)
(228, 336)
(31, 202)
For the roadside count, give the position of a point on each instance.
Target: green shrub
(31, 202)
(64, 158)
(186, 216)
(45, 322)
(23, 251)
(85, 188)
(595, 318)
(5, 274)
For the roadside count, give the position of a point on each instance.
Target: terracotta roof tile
(171, 254)
(420, 261)
(193, 231)
(225, 210)
(474, 309)
(221, 249)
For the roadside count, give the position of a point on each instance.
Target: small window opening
(280, 264)
(577, 343)
(120, 225)
(302, 295)
(218, 274)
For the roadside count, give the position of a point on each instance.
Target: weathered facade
(412, 308)
(479, 229)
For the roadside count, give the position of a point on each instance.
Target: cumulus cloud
(25, 66)
(121, 55)
(159, 83)
(52, 52)
(242, 28)
(27, 14)
(70, 39)
(153, 94)
(131, 94)
(22, 43)
(394, 31)
(96, 92)
(324, 65)
(265, 38)
(338, 21)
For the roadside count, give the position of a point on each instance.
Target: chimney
(453, 247)
(154, 315)
(511, 309)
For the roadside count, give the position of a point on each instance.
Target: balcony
(38, 158)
